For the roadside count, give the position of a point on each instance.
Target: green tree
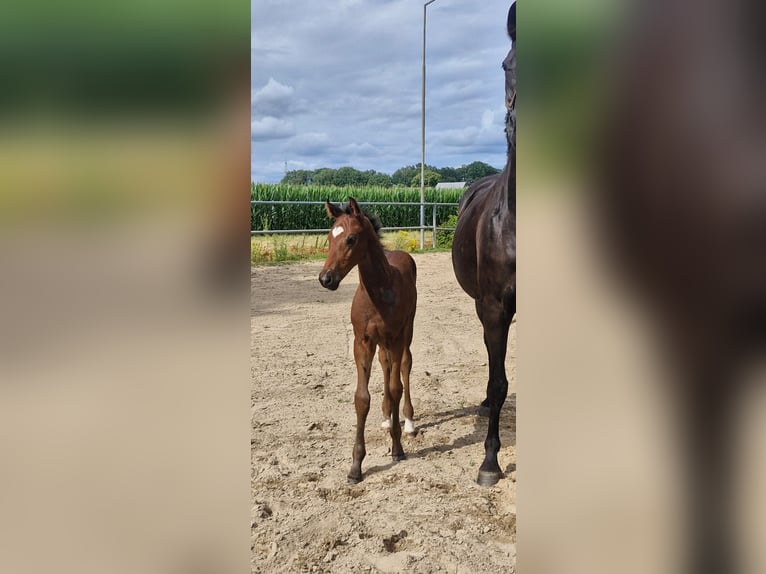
(298, 177)
(377, 178)
(324, 176)
(475, 171)
(404, 175)
(448, 174)
(430, 178)
(346, 176)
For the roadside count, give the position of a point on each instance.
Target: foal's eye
(350, 240)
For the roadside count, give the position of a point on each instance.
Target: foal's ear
(355, 210)
(333, 210)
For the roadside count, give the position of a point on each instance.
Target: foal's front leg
(364, 349)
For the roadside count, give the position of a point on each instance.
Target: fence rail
(433, 205)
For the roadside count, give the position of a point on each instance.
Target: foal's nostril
(325, 279)
(329, 280)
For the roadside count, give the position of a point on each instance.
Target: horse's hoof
(354, 475)
(489, 478)
(398, 457)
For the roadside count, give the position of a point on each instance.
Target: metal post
(423, 135)
(433, 239)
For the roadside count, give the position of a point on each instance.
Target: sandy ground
(424, 514)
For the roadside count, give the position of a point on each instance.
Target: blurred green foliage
(83, 58)
(564, 46)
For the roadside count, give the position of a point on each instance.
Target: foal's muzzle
(329, 280)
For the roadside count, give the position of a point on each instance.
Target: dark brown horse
(382, 314)
(484, 260)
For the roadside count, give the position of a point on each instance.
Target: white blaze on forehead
(337, 231)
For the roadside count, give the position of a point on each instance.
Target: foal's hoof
(398, 457)
(489, 478)
(354, 479)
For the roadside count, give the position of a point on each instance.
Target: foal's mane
(372, 217)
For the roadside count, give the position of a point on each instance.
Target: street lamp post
(423, 135)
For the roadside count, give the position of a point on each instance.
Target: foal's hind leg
(394, 388)
(363, 353)
(385, 365)
(409, 413)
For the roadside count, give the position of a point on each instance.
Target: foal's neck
(375, 275)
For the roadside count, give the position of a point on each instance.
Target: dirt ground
(424, 514)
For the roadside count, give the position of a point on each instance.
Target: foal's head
(350, 238)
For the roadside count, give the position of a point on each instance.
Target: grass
(272, 249)
(267, 249)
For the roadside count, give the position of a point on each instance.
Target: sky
(338, 83)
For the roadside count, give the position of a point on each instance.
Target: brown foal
(382, 314)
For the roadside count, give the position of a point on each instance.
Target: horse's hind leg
(484, 405)
(409, 413)
(496, 323)
(385, 365)
(394, 389)
(363, 353)
(510, 313)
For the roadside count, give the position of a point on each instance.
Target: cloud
(341, 84)
(270, 128)
(310, 143)
(364, 149)
(487, 119)
(273, 90)
(458, 138)
(482, 136)
(273, 99)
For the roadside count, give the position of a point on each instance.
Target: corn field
(279, 217)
